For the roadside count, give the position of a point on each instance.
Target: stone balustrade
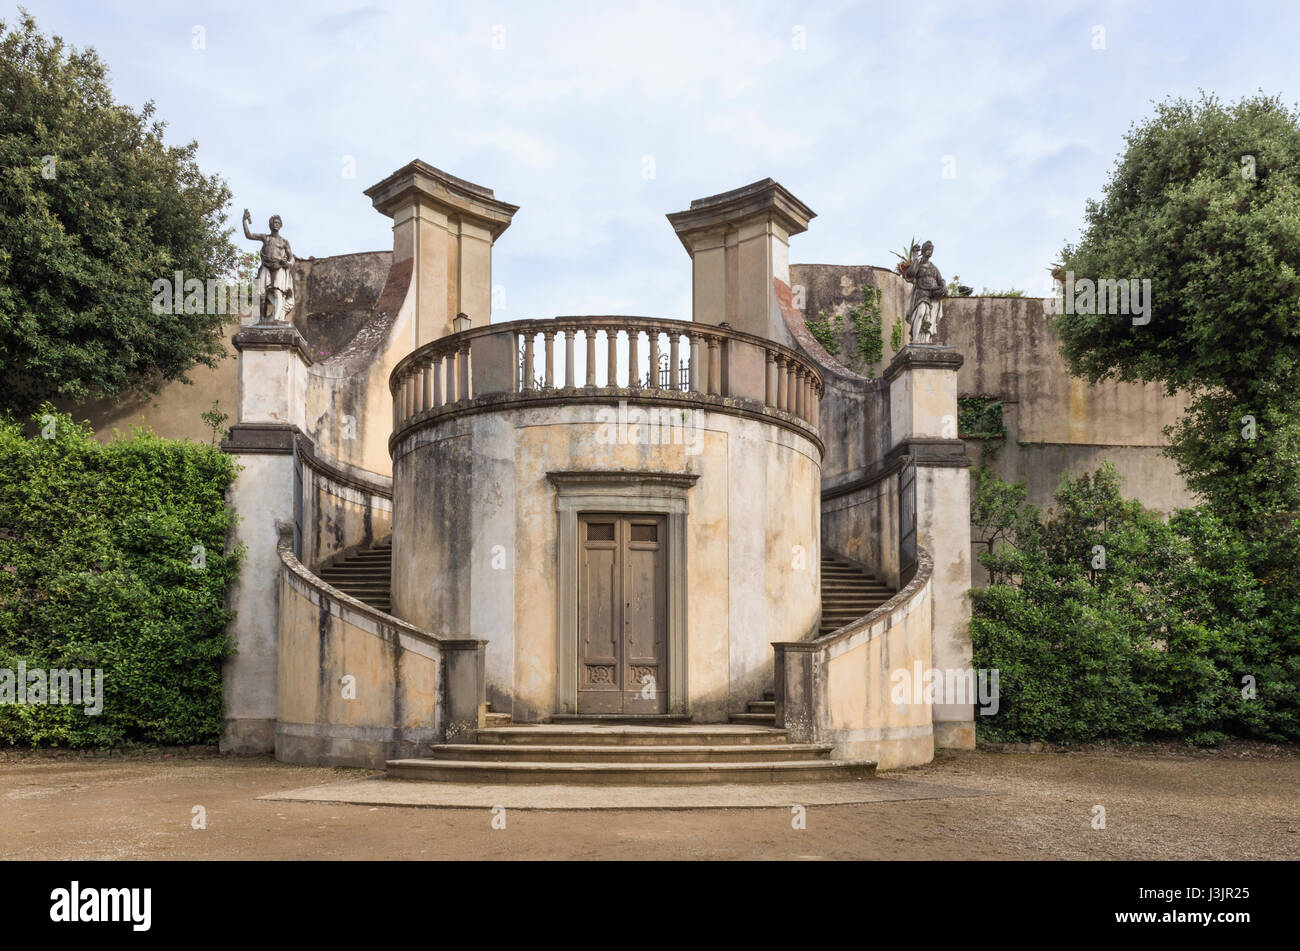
(568, 358)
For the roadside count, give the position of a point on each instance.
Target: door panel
(622, 615)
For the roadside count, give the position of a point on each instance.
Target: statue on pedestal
(928, 292)
(275, 276)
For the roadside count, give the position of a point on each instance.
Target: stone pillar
(447, 227)
(739, 243)
(922, 381)
(273, 362)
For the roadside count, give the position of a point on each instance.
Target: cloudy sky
(982, 126)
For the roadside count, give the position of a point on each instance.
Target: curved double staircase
(749, 749)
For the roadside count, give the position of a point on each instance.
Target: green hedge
(100, 568)
(1107, 621)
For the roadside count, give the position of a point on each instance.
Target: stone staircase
(366, 575)
(848, 593)
(592, 754)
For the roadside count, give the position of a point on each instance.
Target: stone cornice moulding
(762, 198)
(419, 182)
(923, 356)
(272, 336)
(578, 480)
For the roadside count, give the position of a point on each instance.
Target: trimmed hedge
(113, 556)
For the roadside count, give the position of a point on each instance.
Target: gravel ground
(1161, 802)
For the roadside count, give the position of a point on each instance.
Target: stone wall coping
(873, 475)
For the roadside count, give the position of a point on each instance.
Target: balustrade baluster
(769, 380)
(654, 359)
(589, 375)
(674, 351)
(548, 342)
(462, 364)
(693, 369)
(530, 378)
(633, 358)
(570, 378)
(715, 367)
(611, 357)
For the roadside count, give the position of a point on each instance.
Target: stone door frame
(619, 492)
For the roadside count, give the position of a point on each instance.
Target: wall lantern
(460, 323)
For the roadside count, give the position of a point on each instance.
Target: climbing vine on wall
(866, 322)
(826, 330)
(864, 318)
(980, 417)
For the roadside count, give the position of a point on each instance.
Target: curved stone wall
(475, 531)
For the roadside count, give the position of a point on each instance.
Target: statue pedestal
(922, 381)
(273, 362)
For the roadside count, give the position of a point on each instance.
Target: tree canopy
(1204, 203)
(94, 208)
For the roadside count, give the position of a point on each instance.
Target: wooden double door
(622, 614)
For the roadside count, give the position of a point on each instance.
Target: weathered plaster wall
(176, 412)
(475, 551)
(343, 512)
(357, 687)
(390, 707)
(839, 689)
(263, 494)
(862, 524)
(1055, 423)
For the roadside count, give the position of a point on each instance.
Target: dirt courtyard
(1160, 803)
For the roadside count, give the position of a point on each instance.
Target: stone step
(761, 706)
(673, 753)
(710, 734)
(758, 719)
(638, 774)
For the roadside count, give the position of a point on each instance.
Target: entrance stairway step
(695, 734)
(630, 773)
(610, 753)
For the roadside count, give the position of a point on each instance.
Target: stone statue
(928, 292)
(275, 276)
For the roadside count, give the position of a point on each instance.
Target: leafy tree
(94, 207)
(1204, 203)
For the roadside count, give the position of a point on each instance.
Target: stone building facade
(454, 525)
